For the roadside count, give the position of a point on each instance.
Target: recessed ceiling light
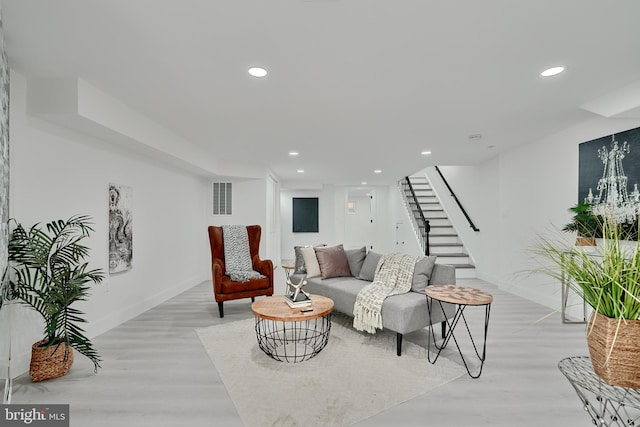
(377, 171)
(293, 153)
(257, 71)
(426, 153)
(300, 170)
(552, 71)
(363, 183)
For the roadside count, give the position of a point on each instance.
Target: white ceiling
(353, 85)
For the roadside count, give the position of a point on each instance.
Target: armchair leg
(253, 299)
(444, 329)
(221, 309)
(398, 343)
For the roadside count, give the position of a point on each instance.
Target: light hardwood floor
(156, 372)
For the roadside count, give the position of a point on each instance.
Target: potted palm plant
(49, 275)
(587, 225)
(609, 281)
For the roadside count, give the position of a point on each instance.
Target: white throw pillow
(311, 262)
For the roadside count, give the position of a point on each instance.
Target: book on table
(301, 301)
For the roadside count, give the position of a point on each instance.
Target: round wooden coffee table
(288, 334)
(463, 297)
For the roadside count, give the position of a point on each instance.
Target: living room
(69, 138)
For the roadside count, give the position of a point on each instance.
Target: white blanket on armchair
(393, 276)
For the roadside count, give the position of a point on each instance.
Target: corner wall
(57, 172)
(523, 193)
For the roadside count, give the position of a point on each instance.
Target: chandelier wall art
(612, 196)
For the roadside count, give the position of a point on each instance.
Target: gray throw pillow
(369, 265)
(333, 262)
(422, 273)
(299, 265)
(356, 259)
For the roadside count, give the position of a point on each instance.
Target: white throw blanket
(393, 276)
(237, 257)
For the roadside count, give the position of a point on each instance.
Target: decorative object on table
(50, 275)
(610, 284)
(296, 296)
(606, 405)
(224, 287)
(120, 228)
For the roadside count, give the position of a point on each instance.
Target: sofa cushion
(422, 273)
(310, 261)
(356, 259)
(299, 264)
(333, 262)
(368, 270)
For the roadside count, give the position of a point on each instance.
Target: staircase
(443, 238)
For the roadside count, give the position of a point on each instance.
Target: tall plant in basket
(608, 279)
(50, 275)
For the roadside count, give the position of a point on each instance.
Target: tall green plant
(51, 275)
(608, 279)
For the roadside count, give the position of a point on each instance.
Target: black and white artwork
(4, 154)
(120, 228)
(591, 166)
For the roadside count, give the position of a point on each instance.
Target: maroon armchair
(224, 289)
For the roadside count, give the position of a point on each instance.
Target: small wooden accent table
(463, 297)
(289, 334)
(288, 268)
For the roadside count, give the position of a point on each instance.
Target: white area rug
(357, 375)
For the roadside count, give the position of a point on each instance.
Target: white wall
(333, 219)
(517, 196)
(56, 173)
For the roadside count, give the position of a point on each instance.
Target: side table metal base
(451, 325)
(606, 405)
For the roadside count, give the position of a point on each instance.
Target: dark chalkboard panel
(305, 214)
(591, 168)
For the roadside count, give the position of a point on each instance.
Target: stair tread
(453, 255)
(464, 266)
(438, 245)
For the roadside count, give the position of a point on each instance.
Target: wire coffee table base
(606, 405)
(295, 341)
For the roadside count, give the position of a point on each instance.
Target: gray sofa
(402, 313)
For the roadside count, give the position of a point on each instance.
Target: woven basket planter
(623, 365)
(49, 362)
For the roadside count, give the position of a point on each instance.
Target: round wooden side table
(463, 297)
(290, 334)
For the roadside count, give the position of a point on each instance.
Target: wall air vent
(222, 198)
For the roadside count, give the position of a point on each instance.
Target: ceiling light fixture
(552, 71)
(293, 153)
(363, 183)
(300, 170)
(377, 171)
(257, 71)
(475, 137)
(426, 153)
